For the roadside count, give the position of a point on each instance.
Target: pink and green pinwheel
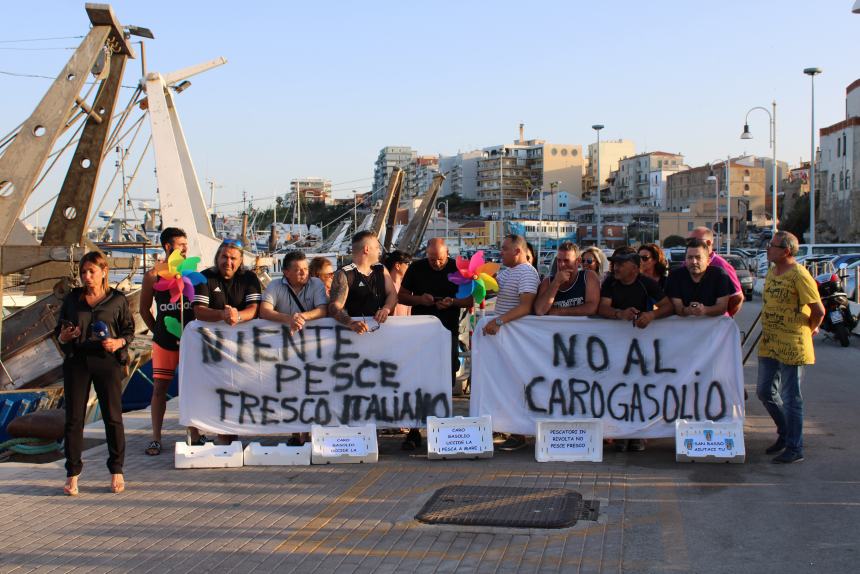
(179, 276)
(474, 277)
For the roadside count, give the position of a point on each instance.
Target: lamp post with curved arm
(746, 135)
(812, 72)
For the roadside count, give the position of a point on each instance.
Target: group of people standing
(96, 326)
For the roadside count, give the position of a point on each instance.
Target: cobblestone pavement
(655, 515)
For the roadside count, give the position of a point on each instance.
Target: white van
(828, 249)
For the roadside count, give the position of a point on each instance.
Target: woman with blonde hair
(594, 259)
(94, 330)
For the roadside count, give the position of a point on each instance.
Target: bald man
(736, 301)
(427, 289)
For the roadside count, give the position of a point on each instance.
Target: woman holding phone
(94, 329)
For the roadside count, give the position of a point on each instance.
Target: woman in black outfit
(94, 330)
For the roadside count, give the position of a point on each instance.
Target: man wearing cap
(629, 296)
(737, 298)
(699, 289)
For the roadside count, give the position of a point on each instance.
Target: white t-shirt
(513, 282)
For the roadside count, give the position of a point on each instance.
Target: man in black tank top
(363, 288)
(572, 291)
(165, 345)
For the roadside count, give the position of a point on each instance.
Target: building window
(832, 182)
(689, 226)
(838, 147)
(844, 144)
(847, 179)
(563, 151)
(746, 187)
(841, 181)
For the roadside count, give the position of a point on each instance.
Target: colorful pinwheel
(179, 276)
(474, 277)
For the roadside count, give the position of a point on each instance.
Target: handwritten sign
(459, 437)
(343, 445)
(637, 381)
(258, 378)
(569, 440)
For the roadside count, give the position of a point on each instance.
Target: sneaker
(776, 447)
(788, 457)
(513, 442)
(636, 445)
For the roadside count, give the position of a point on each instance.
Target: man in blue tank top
(571, 292)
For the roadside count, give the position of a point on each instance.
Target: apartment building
(839, 160)
(511, 173)
(641, 179)
(389, 158)
(611, 153)
(419, 175)
(312, 189)
(461, 174)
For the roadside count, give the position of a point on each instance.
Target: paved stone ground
(655, 515)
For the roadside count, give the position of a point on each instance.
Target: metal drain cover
(511, 506)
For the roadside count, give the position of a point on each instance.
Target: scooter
(838, 318)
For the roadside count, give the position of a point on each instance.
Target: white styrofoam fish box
(344, 444)
(459, 437)
(708, 441)
(575, 440)
(208, 455)
(256, 454)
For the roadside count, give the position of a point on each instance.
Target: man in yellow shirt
(791, 314)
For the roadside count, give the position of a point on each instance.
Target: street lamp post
(445, 203)
(812, 72)
(713, 179)
(553, 186)
(748, 136)
(597, 128)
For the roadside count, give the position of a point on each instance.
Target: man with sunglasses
(790, 315)
(230, 293)
(736, 301)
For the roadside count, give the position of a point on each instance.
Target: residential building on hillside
(511, 173)
(389, 158)
(312, 189)
(641, 179)
(611, 152)
(689, 192)
(419, 175)
(461, 174)
(839, 203)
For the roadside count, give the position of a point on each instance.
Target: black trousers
(106, 376)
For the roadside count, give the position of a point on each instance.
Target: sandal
(70, 490)
(154, 448)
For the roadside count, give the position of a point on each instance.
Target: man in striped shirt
(518, 285)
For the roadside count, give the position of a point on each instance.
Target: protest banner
(637, 381)
(257, 378)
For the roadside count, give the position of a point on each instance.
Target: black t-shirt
(241, 290)
(421, 278)
(714, 284)
(642, 294)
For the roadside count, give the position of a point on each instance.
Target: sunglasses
(587, 261)
(232, 242)
(777, 245)
(645, 257)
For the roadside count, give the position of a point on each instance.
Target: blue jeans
(782, 398)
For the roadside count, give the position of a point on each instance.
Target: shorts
(164, 363)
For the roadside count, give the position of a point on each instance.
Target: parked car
(744, 275)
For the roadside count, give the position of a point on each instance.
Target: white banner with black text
(257, 378)
(637, 381)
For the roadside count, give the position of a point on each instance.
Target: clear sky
(317, 88)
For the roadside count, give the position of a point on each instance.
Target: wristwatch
(499, 321)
